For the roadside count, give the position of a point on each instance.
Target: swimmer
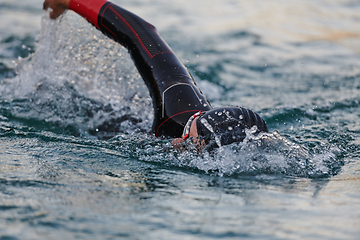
(181, 111)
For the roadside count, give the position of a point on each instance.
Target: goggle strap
(187, 127)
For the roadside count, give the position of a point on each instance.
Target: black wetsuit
(174, 93)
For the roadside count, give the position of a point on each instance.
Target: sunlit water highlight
(77, 160)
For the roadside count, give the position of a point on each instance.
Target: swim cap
(228, 124)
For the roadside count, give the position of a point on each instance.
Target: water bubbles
(230, 128)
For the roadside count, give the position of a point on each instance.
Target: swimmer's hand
(57, 6)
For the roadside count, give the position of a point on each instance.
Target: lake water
(64, 174)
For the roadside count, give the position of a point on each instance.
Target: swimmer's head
(221, 126)
(228, 124)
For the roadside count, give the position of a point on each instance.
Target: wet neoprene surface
(173, 90)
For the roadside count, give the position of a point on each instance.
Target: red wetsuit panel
(89, 9)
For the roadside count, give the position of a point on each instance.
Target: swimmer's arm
(156, 62)
(115, 22)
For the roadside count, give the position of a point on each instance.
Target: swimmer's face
(178, 143)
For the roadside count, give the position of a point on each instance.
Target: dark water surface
(66, 174)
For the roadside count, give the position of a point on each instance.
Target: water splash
(79, 78)
(265, 153)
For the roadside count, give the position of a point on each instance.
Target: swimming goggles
(187, 127)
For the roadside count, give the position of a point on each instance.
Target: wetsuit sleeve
(174, 93)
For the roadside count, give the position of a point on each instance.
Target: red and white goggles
(187, 127)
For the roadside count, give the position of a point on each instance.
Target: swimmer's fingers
(57, 6)
(45, 5)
